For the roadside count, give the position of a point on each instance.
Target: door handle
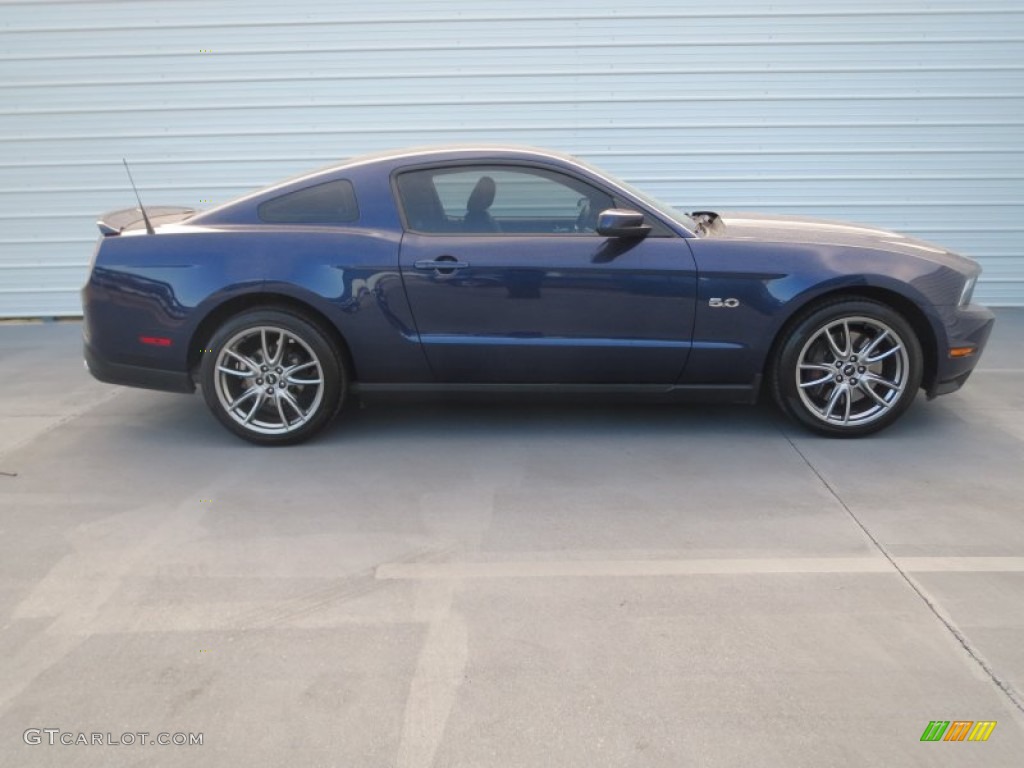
(443, 264)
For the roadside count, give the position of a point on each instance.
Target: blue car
(482, 269)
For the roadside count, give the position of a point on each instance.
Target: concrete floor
(545, 585)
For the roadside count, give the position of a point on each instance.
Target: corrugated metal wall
(898, 113)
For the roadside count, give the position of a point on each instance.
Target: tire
(847, 368)
(251, 354)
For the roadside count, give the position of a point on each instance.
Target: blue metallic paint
(562, 308)
(528, 310)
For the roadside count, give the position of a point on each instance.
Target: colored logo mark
(958, 730)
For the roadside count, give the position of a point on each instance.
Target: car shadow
(505, 418)
(439, 419)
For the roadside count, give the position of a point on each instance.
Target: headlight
(965, 294)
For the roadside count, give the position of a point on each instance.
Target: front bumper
(965, 327)
(134, 375)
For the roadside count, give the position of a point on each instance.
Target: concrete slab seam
(1007, 688)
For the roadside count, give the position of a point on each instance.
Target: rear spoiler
(116, 222)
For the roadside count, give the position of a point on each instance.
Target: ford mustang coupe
(501, 269)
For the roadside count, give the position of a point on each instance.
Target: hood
(736, 225)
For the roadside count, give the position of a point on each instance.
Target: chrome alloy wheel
(268, 380)
(852, 371)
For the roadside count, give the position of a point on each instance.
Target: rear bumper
(136, 376)
(967, 327)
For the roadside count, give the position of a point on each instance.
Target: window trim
(660, 229)
(307, 188)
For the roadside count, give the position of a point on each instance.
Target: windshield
(666, 210)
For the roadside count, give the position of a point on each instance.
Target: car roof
(437, 153)
(444, 152)
(388, 159)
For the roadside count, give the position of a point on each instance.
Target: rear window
(333, 202)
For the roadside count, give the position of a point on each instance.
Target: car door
(509, 282)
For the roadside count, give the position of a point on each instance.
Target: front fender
(770, 284)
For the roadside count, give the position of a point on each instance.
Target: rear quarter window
(333, 202)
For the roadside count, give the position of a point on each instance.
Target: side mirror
(617, 222)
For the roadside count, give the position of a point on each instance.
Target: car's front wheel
(848, 368)
(272, 377)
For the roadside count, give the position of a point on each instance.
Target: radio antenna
(145, 218)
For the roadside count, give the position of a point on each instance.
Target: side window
(499, 199)
(333, 202)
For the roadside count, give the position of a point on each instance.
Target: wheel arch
(907, 307)
(265, 300)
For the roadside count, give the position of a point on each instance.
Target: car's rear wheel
(272, 377)
(848, 368)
